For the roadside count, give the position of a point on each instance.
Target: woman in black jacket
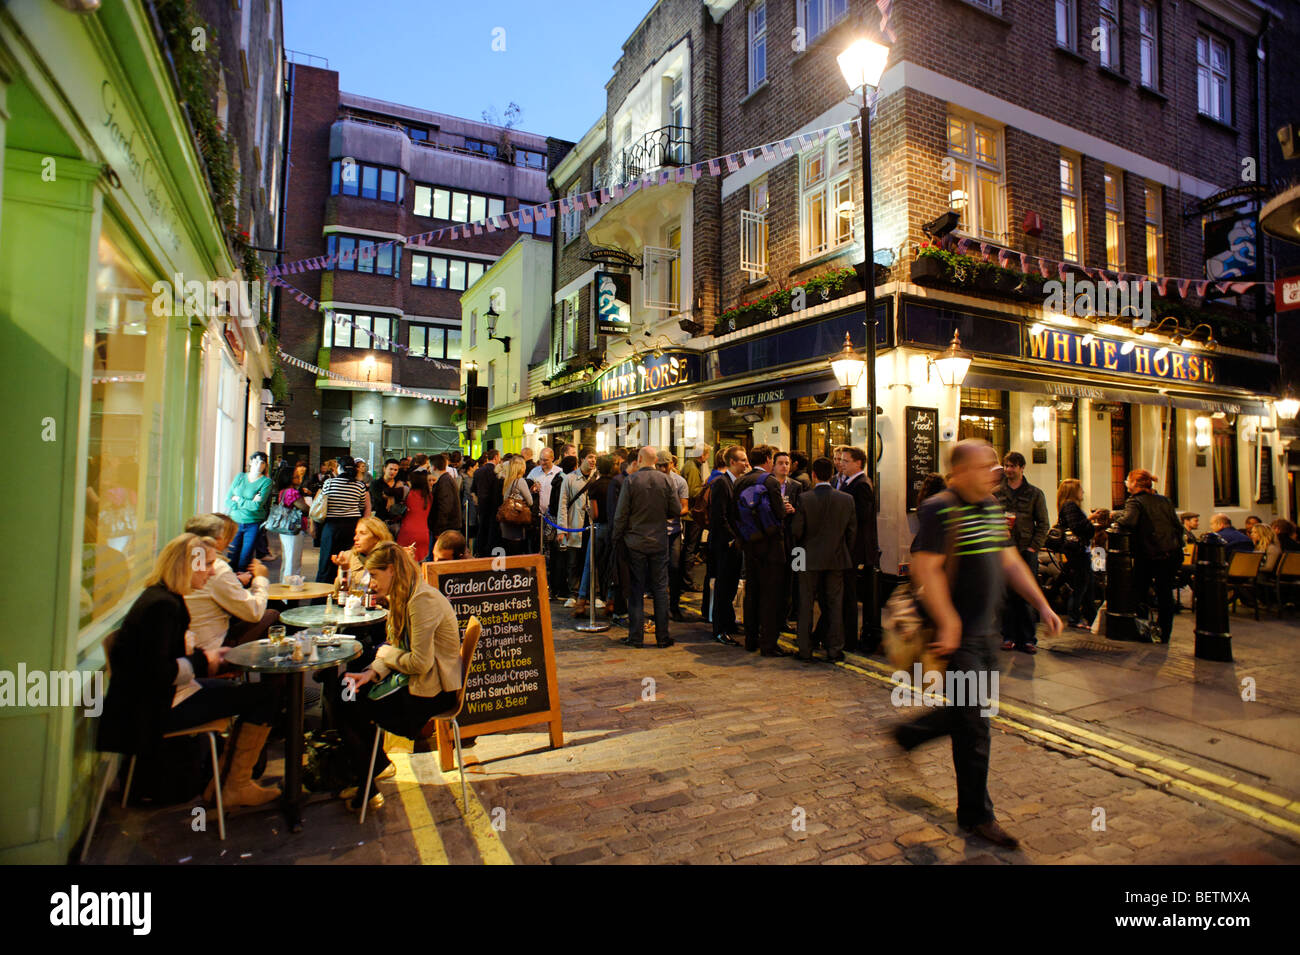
(1157, 545)
(159, 680)
(1078, 556)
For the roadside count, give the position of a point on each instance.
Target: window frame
(1114, 216)
(436, 260)
(571, 224)
(831, 176)
(971, 164)
(334, 243)
(338, 187)
(1109, 21)
(363, 323)
(1072, 197)
(1223, 439)
(826, 15)
(1154, 226)
(1206, 73)
(1069, 11)
(432, 332)
(1149, 44)
(757, 39)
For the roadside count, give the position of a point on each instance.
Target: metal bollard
(1121, 601)
(1213, 641)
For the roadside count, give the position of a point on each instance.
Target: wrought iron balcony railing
(665, 146)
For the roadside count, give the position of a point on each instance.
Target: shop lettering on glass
(644, 377)
(141, 170)
(1067, 348)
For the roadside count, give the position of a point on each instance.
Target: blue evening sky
(437, 54)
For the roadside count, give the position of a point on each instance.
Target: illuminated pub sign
(647, 376)
(1063, 347)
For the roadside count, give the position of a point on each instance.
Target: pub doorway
(1121, 456)
(823, 422)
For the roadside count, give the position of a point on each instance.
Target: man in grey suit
(824, 527)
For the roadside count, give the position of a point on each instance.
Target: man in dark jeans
(765, 557)
(724, 548)
(964, 527)
(645, 506)
(1028, 533)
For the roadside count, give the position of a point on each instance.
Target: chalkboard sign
(1266, 476)
(512, 681)
(922, 449)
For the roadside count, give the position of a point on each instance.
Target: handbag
(284, 519)
(907, 630)
(513, 510)
(319, 507)
(388, 685)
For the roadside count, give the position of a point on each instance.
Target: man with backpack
(757, 514)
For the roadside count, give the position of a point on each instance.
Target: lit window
(827, 198)
(459, 207)
(423, 201)
(1070, 209)
(978, 190)
(1114, 218)
(1155, 229)
(441, 204)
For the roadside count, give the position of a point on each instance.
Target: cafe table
(317, 614)
(310, 590)
(259, 656)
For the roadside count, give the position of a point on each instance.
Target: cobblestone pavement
(702, 753)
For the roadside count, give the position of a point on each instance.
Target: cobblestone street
(706, 754)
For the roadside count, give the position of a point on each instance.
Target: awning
(492, 432)
(770, 392)
(1099, 392)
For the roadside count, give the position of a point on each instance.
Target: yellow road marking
(424, 831)
(1111, 746)
(478, 822)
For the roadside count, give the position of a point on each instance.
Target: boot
(579, 607)
(239, 788)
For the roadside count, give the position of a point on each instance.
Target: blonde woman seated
(421, 657)
(370, 533)
(1267, 543)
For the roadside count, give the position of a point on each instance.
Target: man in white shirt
(224, 611)
(543, 479)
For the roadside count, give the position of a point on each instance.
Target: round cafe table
(317, 614)
(258, 656)
(310, 590)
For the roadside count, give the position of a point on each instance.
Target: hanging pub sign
(1063, 347)
(1230, 248)
(613, 303)
(1286, 293)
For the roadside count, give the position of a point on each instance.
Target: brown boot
(239, 788)
(579, 607)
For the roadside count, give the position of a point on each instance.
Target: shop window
(984, 414)
(121, 531)
(1226, 493)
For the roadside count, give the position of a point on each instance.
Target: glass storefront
(822, 422)
(124, 453)
(984, 414)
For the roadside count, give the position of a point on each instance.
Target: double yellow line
(424, 830)
(1283, 812)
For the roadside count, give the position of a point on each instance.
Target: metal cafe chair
(1287, 576)
(111, 762)
(468, 646)
(1243, 577)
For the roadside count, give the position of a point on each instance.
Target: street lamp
(862, 65)
(847, 364)
(1287, 407)
(530, 428)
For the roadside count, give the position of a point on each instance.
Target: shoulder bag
(319, 506)
(907, 630)
(513, 510)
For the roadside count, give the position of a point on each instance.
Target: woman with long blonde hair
(370, 533)
(1075, 523)
(415, 674)
(159, 681)
(514, 486)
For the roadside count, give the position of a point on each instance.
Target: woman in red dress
(415, 523)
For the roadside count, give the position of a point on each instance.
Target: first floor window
(826, 191)
(358, 330)
(1155, 231)
(433, 341)
(1070, 208)
(978, 194)
(1114, 218)
(355, 253)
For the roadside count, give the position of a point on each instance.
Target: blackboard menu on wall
(511, 674)
(1266, 476)
(921, 448)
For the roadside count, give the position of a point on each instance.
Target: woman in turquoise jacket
(250, 501)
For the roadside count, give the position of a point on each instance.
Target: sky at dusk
(438, 54)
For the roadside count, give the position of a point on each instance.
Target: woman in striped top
(348, 500)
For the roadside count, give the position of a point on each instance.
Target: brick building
(1065, 136)
(362, 174)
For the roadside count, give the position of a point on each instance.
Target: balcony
(666, 146)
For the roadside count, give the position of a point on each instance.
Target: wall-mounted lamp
(1287, 407)
(1042, 424)
(847, 364)
(952, 365)
(368, 363)
(1210, 344)
(492, 317)
(1204, 432)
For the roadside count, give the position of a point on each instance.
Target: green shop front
(103, 195)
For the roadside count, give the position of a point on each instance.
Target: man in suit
(645, 506)
(782, 464)
(444, 514)
(724, 548)
(858, 578)
(824, 528)
(765, 558)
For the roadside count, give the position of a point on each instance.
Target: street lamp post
(862, 65)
